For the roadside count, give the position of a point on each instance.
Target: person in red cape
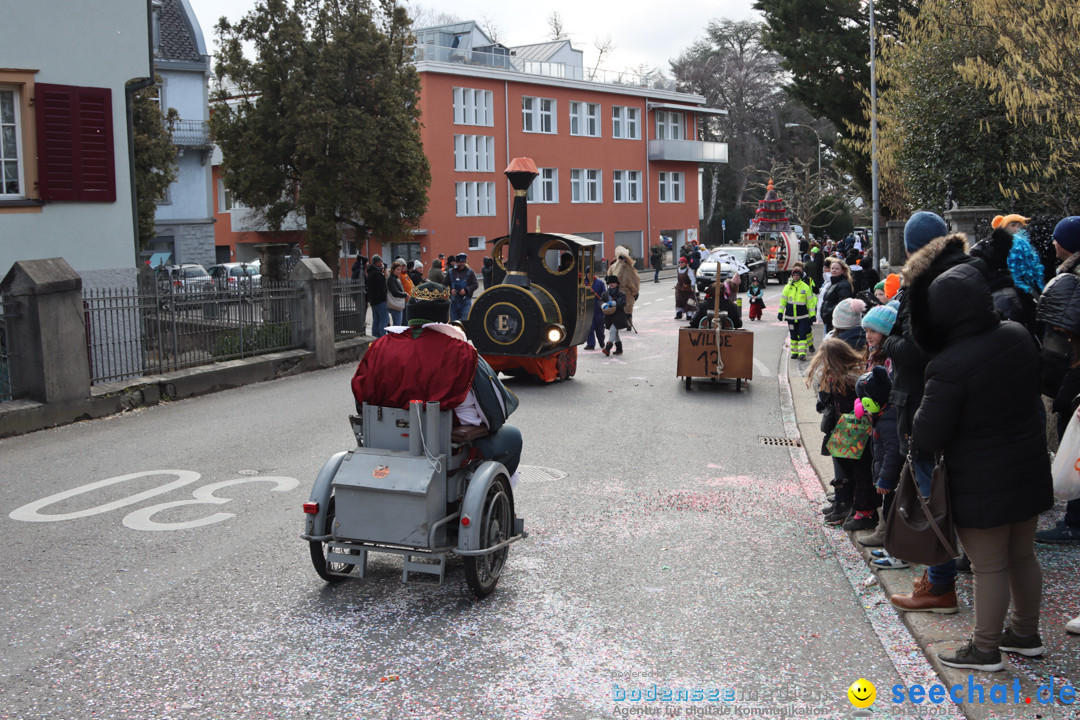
(430, 360)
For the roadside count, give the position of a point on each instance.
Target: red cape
(397, 368)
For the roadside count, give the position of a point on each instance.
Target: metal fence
(9, 315)
(350, 309)
(131, 333)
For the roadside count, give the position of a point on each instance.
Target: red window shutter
(75, 143)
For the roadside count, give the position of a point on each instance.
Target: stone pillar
(972, 221)
(316, 326)
(50, 362)
(272, 261)
(894, 246)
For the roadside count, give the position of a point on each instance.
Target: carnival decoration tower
(771, 230)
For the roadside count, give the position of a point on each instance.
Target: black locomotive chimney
(521, 172)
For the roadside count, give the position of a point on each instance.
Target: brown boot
(922, 598)
(876, 538)
(607, 349)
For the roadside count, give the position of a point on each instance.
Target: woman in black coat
(839, 289)
(981, 409)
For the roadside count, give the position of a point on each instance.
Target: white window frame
(669, 125)
(538, 115)
(18, 159)
(671, 187)
(474, 199)
(584, 119)
(226, 202)
(545, 188)
(478, 242)
(624, 123)
(586, 186)
(473, 107)
(627, 185)
(474, 153)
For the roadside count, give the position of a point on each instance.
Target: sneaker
(828, 508)
(838, 516)
(855, 524)
(1073, 626)
(923, 599)
(794, 356)
(1030, 646)
(590, 347)
(888, 562)
(802, 356)
(1060, 534)
(969, 657)
(879, 553)
(963, 565)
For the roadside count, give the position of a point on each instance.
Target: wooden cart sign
(698, 352)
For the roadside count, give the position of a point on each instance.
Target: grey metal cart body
(412, 487)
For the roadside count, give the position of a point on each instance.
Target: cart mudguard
(320, 493)
(473, 503)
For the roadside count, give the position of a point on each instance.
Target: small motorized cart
(412, 487)
(716, 350)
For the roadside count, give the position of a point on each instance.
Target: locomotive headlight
(554, 334)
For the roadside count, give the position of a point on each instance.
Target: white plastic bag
(1066, 468)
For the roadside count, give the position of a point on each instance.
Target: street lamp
(874, 191)
(818, 136)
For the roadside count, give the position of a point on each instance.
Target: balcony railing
(688, 151)
(438, 53)
(191, 133)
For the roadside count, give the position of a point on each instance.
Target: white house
(65, 143)
(183, 222)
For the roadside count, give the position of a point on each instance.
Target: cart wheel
(571, 362)
(496, 523)
(688, 383)
(738, 384)
(319, 550)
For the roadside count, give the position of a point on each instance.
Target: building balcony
(191, 134)
(688, 151)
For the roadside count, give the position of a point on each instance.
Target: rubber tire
(688, 383)
(571, 362)
(482, 571)
(561, 371)
(318, 549)
(738, 384)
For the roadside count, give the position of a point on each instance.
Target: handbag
(1066, 467)
(849, 437)
(918, 529)
(395, 303)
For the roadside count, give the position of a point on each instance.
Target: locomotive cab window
(501, 252)
(557, 257)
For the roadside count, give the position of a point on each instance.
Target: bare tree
(424, 16)
(604, 47)
(813, 199)
(555, 26)
(487, 24)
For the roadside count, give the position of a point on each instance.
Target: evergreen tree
(325, 122)
(155, 157)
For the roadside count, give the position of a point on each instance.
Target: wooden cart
(703, 351)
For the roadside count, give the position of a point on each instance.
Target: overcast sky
(643, 32)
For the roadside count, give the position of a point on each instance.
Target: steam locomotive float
(540, 306)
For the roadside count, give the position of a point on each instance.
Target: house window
(671, 187)
(11, 182)
(473, 107)
(474, 198)
(669, 125)
(624, 123)
(477, 243)
(226, 200)
(585, 186)
(627, 186)
(474, 153)
(585, 119)
(538, 115)
(545, 188)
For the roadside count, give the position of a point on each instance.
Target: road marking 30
(142, 519)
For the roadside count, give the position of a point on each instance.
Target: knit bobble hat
(921, 228)
(892, 285)
(1067, 233)
(880, 319)
(848, 313)
(875, 385)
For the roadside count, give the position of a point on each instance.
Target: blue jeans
(596, 331)
(504, 446)
(945, 573)
(380, 318)
(459, 309)
(395, 316)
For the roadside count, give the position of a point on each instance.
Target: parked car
(235, 276)
(748, 261)
(189, 277)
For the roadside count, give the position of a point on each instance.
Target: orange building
(618, 155)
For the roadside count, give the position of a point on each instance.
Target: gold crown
(429, 292)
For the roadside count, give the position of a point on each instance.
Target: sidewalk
(935, 633)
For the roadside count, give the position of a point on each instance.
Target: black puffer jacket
(1010, 303)
(838, 290)
(981, 404)
(902, 347)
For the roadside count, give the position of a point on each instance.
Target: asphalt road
(669, 549)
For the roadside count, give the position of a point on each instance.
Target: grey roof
(177, 38)
(540, 52)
